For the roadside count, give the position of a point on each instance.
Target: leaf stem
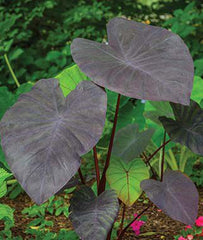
(122, 219)
(96, 162)
(149, 164)
(81, 176)
(163, 155)
(11, 70)
(153, 154)
(125, 229)
(103, 178)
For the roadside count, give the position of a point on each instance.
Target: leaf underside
(92, 216)
(177, 196)
(44, 134)
(139, 61)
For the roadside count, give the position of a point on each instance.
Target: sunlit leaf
(129, 143)
(69, 79)
(177, 196)
(139, 61)
(92, 216)
(187, 128)
(125, 178)
(44, 134)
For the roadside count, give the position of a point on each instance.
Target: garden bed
(158, 225)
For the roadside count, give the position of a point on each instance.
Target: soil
(157, 223)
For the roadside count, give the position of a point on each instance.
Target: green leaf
(3, 163)
(15, 54)
(92, 216)
(7, 215)
(125, 178)
(7, 99)
(3, 186)
(131, 113)
(155, 109)
(197, 91)
(67, 235)
(187, 128)
(69, 79)
(198, 67)
(129, 143)
(25, 87)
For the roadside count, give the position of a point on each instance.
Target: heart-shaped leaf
(129, 143)
(69, 79)
(139, 61)
(92, 216)
(177, 196)
(44, 134)
(187, 128)
(125, 178)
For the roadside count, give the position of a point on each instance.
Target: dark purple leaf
(187, 128)
(177, 196)
(44, 134)
(139, 61)
(129, 143)
(92, 216)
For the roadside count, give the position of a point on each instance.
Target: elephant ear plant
(45, 134)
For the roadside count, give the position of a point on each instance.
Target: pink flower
(199, 221)
(190, 237)
(136, 225)
(182, 238)
(187, 227)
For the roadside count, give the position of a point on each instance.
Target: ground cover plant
(49, 128)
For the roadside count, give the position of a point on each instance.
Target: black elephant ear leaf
(177, 196)
(139, 61)
(92, 216)
(129, 143)
(187, 128)
(44, 134)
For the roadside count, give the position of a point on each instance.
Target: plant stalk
(103, 178)
(122, 219)
(153, 154)
(11, 70)
(120, 237)
(81, 176)
(96, 162)
(149, 164)
(163, 155)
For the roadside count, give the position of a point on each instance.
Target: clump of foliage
(47, 131)
(36, 35)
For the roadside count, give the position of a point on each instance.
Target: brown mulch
(158, 223)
